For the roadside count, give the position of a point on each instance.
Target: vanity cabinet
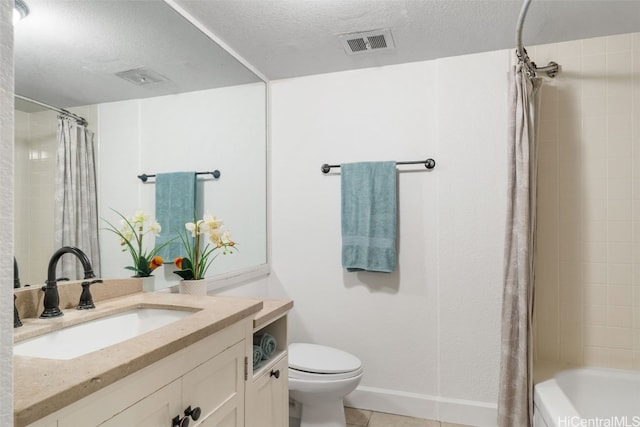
(209, 375)
(267, 403)
(150, 383)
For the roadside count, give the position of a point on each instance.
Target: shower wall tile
(594, 46)
(590, 198)
(594, 273)
(619, 295)
(619, 316)
(595, 315)
(622, 359)
(619, 274)
(620, 188)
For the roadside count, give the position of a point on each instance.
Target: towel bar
(429, 164)
(216, 174)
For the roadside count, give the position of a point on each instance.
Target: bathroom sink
(77, 340)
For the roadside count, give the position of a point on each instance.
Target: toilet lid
(321, 359)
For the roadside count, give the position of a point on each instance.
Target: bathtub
(588, 397)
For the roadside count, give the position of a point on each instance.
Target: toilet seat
(318, 362)
(312, 376)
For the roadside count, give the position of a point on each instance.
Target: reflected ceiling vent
(367, 41)
(141, 76)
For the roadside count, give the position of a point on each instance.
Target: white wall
(428, 334)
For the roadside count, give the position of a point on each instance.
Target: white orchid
(195, 264)
(155, 228)
(139, 217)
(131, 233)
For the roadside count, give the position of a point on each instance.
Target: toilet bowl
(319, 379)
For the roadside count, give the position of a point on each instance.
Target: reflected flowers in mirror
(131, 232)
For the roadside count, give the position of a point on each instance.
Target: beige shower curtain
(515, 403)
(76, 217)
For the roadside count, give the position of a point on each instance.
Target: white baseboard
(458, 411)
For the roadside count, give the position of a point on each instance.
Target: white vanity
(196, 371)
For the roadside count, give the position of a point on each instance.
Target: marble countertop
(43, 386)
(271, 310)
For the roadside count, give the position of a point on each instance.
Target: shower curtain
(76, 216)
(515, 402)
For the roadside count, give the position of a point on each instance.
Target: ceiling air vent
(367, 41)
(141, 76)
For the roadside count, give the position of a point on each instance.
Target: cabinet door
(217, 388)
(155, 410)
(268, 401)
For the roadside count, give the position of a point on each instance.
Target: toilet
(319, 379)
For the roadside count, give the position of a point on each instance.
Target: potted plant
(203, 240)
(131, 232)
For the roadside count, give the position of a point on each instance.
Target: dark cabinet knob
(180, 422)
(275, 374)
(193, 413)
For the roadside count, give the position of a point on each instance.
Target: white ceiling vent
(141, 76)
(367, 41)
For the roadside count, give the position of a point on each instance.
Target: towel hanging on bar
(369, 216)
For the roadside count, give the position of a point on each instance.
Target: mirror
(188, 105)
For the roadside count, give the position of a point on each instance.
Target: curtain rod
(81, 120)
(429, 164)
(551, 69)
(216, 174)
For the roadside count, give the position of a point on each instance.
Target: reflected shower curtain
(76, 216)
(515, 402)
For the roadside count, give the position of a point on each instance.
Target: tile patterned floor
(363, 418)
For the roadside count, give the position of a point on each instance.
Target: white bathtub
(588, 397)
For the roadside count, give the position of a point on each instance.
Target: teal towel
(369, 205)
(175, 206)
(257, 356)
(267, 344)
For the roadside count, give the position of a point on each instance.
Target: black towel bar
(216, 174)
(429, 164)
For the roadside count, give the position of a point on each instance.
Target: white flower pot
(148, 283)
(193, 287)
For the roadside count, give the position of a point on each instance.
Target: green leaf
(187, 265)
(185, 274)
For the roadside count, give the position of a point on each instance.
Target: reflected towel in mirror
(175, 206)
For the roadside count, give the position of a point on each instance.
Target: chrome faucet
(51, 295)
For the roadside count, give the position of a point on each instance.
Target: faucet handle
(86, 300)
(16, 317)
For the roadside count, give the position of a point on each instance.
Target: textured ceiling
(67, 52)
(289, 38)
